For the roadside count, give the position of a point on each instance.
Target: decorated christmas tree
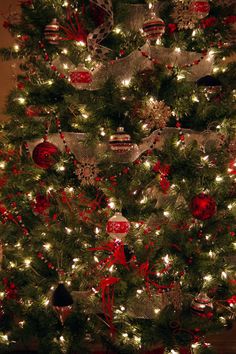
(118, 177)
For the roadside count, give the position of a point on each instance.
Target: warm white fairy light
(156, 311)
(16, 47)
(68, 230)
(122, 308)
(80, 44)
(144, 200)
(3, 338)
(50, 82)
(216, 69)
(111, 204)
(147, 164)
(27, 262)
(46, 302)
(111, 269)
(65, 66)
(177, 50)
(219, 178)
(195, 98)
(125, 335)
(96, 259)
(117, 30)
(47, 246)
(224, 275)
(126, 82)
(21, 100)
(208, 278)
(21, 324)
(88, 58)
(166, 213)
(2, 294)
(139, 291)
(2, 165)
(64, 51)
(12, 265)
(173, 351)
(180, 77)
(62, 339)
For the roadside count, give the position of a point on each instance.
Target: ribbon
(107, 287)
(117, 256)
(97, 36)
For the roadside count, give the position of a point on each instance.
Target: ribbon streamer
(97, 36)
(107, 287)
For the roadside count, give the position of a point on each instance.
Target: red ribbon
(117, 254)
(107, 287)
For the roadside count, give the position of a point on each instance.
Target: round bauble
(51, 32)
(154, 28)
(45, 155)
(210, 84)
(81, 77)
(62, 302)
(232, 167)
(202, 304)
(203, 206)
(200, 9)
(120, 142)
(117, 226)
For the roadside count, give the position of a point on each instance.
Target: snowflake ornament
(183, 16)
(155, 114)
(87, 171)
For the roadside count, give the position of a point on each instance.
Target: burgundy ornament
(200, 9)
(45, 155)
(117, 226)
(81, 76)
(203, 206)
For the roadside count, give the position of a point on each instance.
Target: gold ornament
(87, 171)
(183, 15)
(155, 114)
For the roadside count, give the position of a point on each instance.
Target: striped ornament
(51, 32)
(154, 28)
(120, 142)
(200, 9)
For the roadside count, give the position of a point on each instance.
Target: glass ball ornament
(62, 302)
(81, 77)
(202, 304)
(210, 84)
(51, 32)
(45, 155)
(200, 9)
(202, 206)
(154, 28)
(117, 226)
(121, 141)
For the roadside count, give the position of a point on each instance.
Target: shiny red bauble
(203, 206)
(45, 155)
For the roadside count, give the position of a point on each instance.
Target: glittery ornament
(203, 206)
(200, 9)
(172, 297)
(120, 142)
(62, 302)
(117, 226)
(45, 155)
(155, 114)
(87, 171)
(183, 16)
(154, 28)
(202, 304)
(51, 32)
(81, 77)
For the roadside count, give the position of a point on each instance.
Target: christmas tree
(118, 177)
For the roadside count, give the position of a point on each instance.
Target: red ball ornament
(120, 142)
(51, 32)
(154, 28)
(203, 206)
(232, 167)
(200, 9)
(117, 226)
(45, 155)
(81, 77)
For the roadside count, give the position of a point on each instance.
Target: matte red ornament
(200, 9)
(203, 206)
(45, 155)
(117, 226)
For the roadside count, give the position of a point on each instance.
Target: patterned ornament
(210, 84)
(117, 226)
(202, 304)
(203, 206)
(154, 28)
(62, 302)
(121, 141)
(51, 32)
(155, 114)
(45, 155)
(87, 171)
(200, 9)
(183, 15)
(81, 77)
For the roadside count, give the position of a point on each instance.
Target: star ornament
(87, 171)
